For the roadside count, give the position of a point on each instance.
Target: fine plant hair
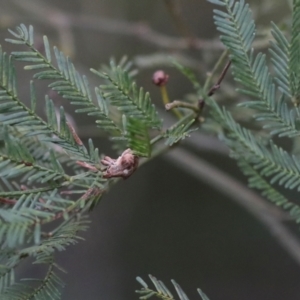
(50, 180)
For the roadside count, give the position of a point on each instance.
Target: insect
(123, 166)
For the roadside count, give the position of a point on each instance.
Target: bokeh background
(169, 219)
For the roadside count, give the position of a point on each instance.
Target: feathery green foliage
(35, 154)
(251, 70)
(49, 288)
(179, 131)
(48, 176)
(265, 163)
(162, 292)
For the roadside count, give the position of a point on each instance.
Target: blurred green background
(163, 220)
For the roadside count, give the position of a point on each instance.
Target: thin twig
(216, 67)
(58, 19)
(217, 85)
(201, 102)
(213, 89)
(180, 23)
(266, 213)
(178, 103)
(44, 13)
(50, 15)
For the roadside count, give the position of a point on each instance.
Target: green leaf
(132, 101)
(47, 48)
(138, 137)
(179, 131)
(202, 295)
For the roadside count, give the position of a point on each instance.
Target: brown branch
(198, 109)
(266, 213)
(217, 85)
(182, 27)
(59, 20)
(53, 17)
(63, 22)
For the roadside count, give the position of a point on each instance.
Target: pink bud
(160, 78)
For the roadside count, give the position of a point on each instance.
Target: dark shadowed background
(164, 220)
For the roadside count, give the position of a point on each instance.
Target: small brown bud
(160, 78)
(201, 104)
